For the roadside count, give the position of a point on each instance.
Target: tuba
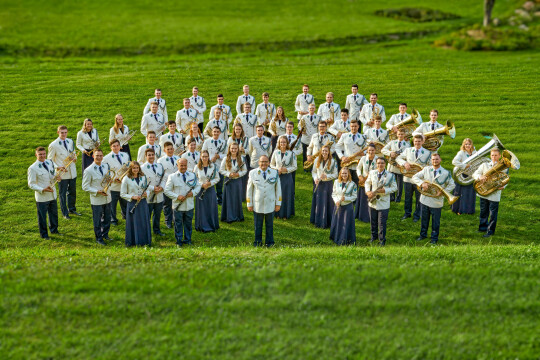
(107, 180)
(496, 177)
(463, 176)
(308, 164)
(432, 142)
(433, 189)
(408, 125)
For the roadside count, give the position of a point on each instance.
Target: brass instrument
(377, 195)
(72, 157)
(302, 123)
(127, 137)
(374, 112)
(463, 176)
(179, 151)
(362, 180)
(107, 180)
(378, 147)
(392, 160)
(161, 130)
(433, 190)
(408, 125)
(293, 144)
(120, 173)
(273, 127)
(413, 170)
(331, 121)
(308, 164)
(186, 128)
(432, 142)
(496, 177)
(96, 144)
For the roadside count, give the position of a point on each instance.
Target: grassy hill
(66, 298)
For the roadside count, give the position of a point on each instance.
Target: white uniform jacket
(318, 141)
(226, 114)
(162, 107)
(141, 157)
(263, 110)
(248, 122)
(388, 181)
(302, 103)
(369, 111)
(291, 138)
(325, 110)
(427, 127)
(91, 183)
(211, 174)
(354, 104)
(364, 166)
(122, 134)
(331, 171)
(461, 157)
(288, 161)
(259, 147)
(263, 194)
(242, 99)
(242, 143)
(115, 164)
(443, 178)
(192, 158)
(184, 118)
(340, 126)
(395, 119)
(198, 139)
(198, 103)
(373, 134)
(409, 155)
(394, 146)
(349, 190)
(169, 165)
(349, 144)
(311, 123)
(176, 186)
(494, 196)
(221, 124)
(176, 139)
(130, 188)
(281, 126)
(153, 122)
(214, 147)
(154, 176)
(39, 178)
(58, 152)
(241, 170)
(85, 141)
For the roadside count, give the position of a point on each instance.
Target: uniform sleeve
(243, 169)
(458, 162)
(310, 147)
(223, 169)
(249, 191)
(347, 104)
(479, 172)
(86, 184)
(273, 161)
(51, 155)
(79, 142)
(169, 186)
(334, 174)
(392, 188)
(144, 125)
(293, 166)
(319, 110)
(314, 174)
(165, 114)
(402, 158)
(297, 104)
(277, 189)
(418, 178)
(450, 184)
(335, 196)
(383, 114)
(32, 181)
(368, 184)
(124, 189)
(215, 177)
(205, 146)
(386, 150)
(238, 107)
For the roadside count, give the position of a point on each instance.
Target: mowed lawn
(69, 298)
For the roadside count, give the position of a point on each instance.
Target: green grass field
(68, 298)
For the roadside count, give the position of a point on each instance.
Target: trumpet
(496, 177)
(408, 125)
(308, 164)
(434, 189)
(463, 176)
(72, 157)
(96, 144)
(432, 141)
(107, 180)
(127, 137)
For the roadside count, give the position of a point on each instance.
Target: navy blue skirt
(361, 211)
(342, 231)
(322, 205)
(138, 232)
(245, 178)
(126, 149)
(287, 197)
(231, 207)
(466, 203)
(206, 211)
(86, 161)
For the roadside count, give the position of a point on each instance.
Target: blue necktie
(154, 168)
(45, 166)
(100, 170)
(264, 175)
(172, 161)
(184, 177)
(65, 145)
(119, 159)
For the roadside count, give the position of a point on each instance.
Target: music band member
(431, 125)
(324, 172)
(87, 140)
(226, 114)
(243, 100)
(192, 155)
(162, 106)
(349, 147)
(259, 145)
(278, 126)
(466, 203)
(413, 155)
(120, 131)
(100, 198)
(60, 152)
(263, 199)
(242, 140)
(248, 121)
(234, 169)
(397, 118)
(206, 209)
(366, 164)
(186, 116)
(135, 190)
(156, 177)
(172, 136)
(329, 111)
(194, 133)
(221, 124)
(216, 148)
(265, 111)
(302, 103)
(319, 140)
(379, 185)
(41, 177)
(342, 126)
(153, 121)
(431, 206)
(169, 164)
(197, 102)
(310, 124)
(354, 103)
(342, 230)
(392, 150)
(489, 205)
(284, 162)
(375, 133)
(116, 160)
(369, 111)
(150, 144)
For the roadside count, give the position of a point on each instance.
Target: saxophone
(496, 177)
(308, 164)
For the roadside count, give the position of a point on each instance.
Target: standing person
(413, 155)
(173, 137)
(180, 188)
(153, 121)
(243, 100)
(329, 111)
(61, 151)
(162, 106)
(354, 103)
(369, 111)
(376, 133)
(100, 196)
(120, 131)
(87, 141)
(342, 230)
(431, 125)
(278, 125)
(197, 102)
(192, 155)
(150, 144)
(366, 164)
(319, 140)
(392, 150)
(226, 113)
(248, 121)
(118, 162)
(169, 163)
(310, 124)
(221, 124)
(303, 102)
(489, 205)
(379, 185)
(194, 133)
(324, 173)
(284, 162)
(206, 209)
(242, 140)
(156, 177)
(135, 190)
(397, 118)
(234, 169)
(294, 147)
(216, 148)
(41, 177)
(263, 199)
(186, 116)
(466, 203)
(258, 146)
(342, 126)
(349, 147)
(265, 111)
(431, 206)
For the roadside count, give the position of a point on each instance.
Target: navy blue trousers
(488, 215)
(435, 214)
(44, 208)
(115, 198)
(168, 211)
(101, 216)
(378, 220)
(219, 190)
(411, 189)
(67, 191)
(155, 209)
(397, 195)
(183, 225)
(268, 219)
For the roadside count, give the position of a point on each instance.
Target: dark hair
(220, 95)
(355, 85)
(157, 90)
(323, 123)
(150, 132)
(346, 111)
(374, 94)
(167, 144)
(40, 148)
(149, 150)
(435, 111)
(404, 104)
(114, 141)
(170, 122)
(97, 150)
(381, 158)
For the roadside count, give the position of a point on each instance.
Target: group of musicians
(186, 171)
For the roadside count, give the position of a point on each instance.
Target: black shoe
(433, 242)
(169, 226)
(486, 235)
(415, 220)
(107, 238)
(114, 223)
(46, 238)
(382, 243)
(57, 233)
(420, 238)
(405, 217)
(75, 213)
(100, 242)
(67, 217)
(159, 233)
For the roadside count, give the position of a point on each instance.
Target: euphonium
(408, 125)
(414, 168)
(107, 180)
(496, 177)
(432, 142)
(433, 190)
(308, 164)
(72, 157)
(463, 176)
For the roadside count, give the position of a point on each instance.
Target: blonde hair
(349, 177)
(463, 144)
(320, 158)
(286, 140)
(130, 170)
(242, 134)
(115, 127)
(228, 159)
(200, 164)
(87, 120)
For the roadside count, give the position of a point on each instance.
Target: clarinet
(138, 201)
(185, 198)
(159, 182)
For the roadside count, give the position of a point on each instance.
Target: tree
(488, 8)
